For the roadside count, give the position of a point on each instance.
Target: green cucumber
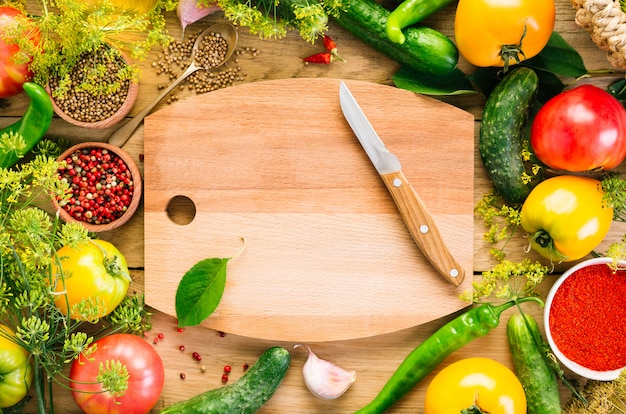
(425, 49)
(247, 394)
(537, 377)
(502, 132)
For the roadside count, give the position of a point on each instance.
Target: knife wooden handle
(422, 227)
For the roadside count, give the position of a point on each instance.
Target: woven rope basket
(606, 23)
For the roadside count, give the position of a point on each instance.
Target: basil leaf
(558, 58)
(549, 86)
(200, 291)
(455, 83)
(485, 79)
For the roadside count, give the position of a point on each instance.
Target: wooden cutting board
(327, 256)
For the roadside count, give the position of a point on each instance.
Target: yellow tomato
(475, 382)
(566, 217)
(91, 281)
(496, 32)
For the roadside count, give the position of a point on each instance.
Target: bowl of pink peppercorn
(105, 186)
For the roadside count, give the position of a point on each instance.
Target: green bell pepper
(31, 127)
(408, 13)
(16, 374)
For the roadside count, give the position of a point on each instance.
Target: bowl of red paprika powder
(105, 186)
(585, 318)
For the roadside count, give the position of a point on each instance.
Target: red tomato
(581, 129)
(12, 75)
(145, 370)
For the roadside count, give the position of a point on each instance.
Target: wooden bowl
(128, 104)
(135, 199)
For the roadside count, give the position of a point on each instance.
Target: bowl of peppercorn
(105, 186)
(585, 318)
(94, 109)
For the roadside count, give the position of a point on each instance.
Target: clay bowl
(128, 104)
(121, 217)
(576, 302)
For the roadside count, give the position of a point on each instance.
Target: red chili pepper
(329, 43)
(323, 57)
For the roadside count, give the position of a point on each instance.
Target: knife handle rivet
(424, 229)
(397, 182)
(454, 272)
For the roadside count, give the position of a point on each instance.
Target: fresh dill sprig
(274, 18)
(501, 222)
(600, 397)
(614, 188)
(29, 238)
(507, 281)
(617, 252)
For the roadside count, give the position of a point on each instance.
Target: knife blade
(416, 216)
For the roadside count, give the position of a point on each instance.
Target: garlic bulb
(189, 11)
(325, 379)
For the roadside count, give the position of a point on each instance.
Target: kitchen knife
(416, 216)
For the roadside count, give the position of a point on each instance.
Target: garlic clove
(324, 379)
(189, 11)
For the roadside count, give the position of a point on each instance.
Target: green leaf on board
(200, 291)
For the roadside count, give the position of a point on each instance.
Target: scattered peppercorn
(182, 348)
(227, 369)
(179, 329)
(177, 56)
(225, 378)
(160, 335)
(182, 375)
(101, 185)
(246, 366)
(196, 356)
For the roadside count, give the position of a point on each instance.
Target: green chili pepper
(31, 127)
(476, 322)
(410, 12)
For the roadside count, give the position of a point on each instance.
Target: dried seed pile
(173, 61)
(212, 51)
(101, 184)
(88, 107)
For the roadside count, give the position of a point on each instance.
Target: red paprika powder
(588, 317)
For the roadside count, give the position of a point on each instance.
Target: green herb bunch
(29, 239)
(273, 18)
(68, 30)
(600, 397)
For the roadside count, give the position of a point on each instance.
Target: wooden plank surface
(276, 163)
(374, 358)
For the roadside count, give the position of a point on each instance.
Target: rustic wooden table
(374, 359)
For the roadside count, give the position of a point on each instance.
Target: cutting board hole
(181, 210)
